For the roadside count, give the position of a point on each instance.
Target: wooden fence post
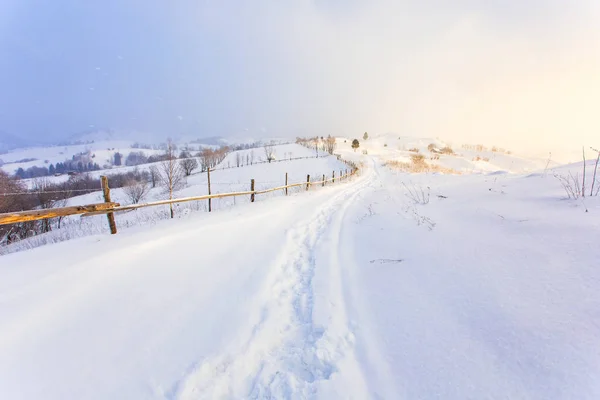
(252, 190)
(307, 181)
(333, 180)
(286, 183)
(110, 216)
(209, 200)
(323, 179)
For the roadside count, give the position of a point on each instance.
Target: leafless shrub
(10, 200)
(570, 184)
(330, 144)
(446, 150)
(47, 197)
(154, 176)
(269, 152)
(136, 191)
(188, 165)
(417, 194)
(417, 159)
(419, 219)
(414, 150)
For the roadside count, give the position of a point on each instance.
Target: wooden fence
(109, 207)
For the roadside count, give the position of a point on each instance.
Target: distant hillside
(10, 142)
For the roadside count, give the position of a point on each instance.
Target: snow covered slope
(466, 158)
(103, 152)
(486, 288)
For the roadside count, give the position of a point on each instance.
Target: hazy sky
(517, 73)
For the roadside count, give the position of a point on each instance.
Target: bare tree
(48, 196)
(154, 176)
(10, 188)
(188, 165)
(330, 144)
(206, 159)
(252, 157)
(315, 143)
(11, 200)
(269, 152)
(171, 174)
(136, 191)
(210, 158)
(238, 159)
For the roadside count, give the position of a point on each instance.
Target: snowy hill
(464, 159)
(391, 285)
(103, 152)
(10, 142)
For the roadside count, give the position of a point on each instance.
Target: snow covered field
(475, 286)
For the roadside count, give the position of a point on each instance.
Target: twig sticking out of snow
(570, 184)
(417, 193)
(386, 261)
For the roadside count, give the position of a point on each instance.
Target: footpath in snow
(490, 289)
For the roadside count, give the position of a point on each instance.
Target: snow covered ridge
(444, 157)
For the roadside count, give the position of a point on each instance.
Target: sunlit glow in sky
(520, 74)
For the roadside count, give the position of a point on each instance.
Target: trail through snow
(285, 352)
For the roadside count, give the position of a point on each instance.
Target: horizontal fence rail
(109, 207)
(35, 215)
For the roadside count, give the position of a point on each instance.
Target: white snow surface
(355, 291)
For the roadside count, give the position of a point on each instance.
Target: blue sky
(470, 70)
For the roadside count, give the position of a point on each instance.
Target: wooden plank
(209, 199)
(167, 202)
(279, 188)
(35, 215)
(110, 216)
